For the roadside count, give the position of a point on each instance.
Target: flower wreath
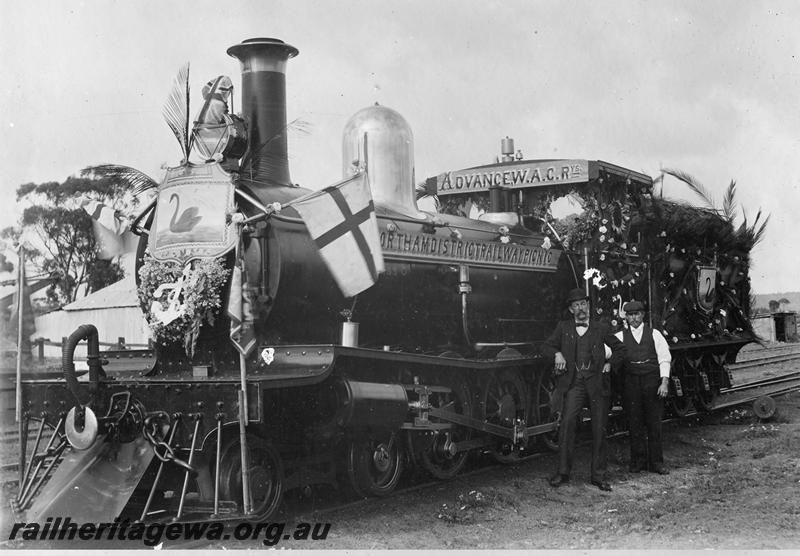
(178, 299)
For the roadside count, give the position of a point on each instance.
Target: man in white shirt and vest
(646, 372)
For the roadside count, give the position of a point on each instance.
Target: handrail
(86, 332)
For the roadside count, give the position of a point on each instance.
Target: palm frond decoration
(137, 180)
(758, 233)
(745, 237)
(297, 125)
(693, 184)
(300, 126)
(176, 110)
(729, 202)
(658, 182)
(422, 192)
(753, 234)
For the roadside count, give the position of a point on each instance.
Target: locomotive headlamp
(81, 435)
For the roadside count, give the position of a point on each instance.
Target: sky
(711, 88)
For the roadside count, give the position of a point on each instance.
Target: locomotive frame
(447, 364)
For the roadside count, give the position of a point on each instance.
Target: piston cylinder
(369, 404)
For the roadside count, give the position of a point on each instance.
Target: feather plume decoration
(693, 184)
(136, 179)
(176, 110)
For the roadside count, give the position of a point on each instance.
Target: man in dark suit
(582, 351)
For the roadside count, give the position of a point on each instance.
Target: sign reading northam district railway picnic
(493, 254)
(513, 176)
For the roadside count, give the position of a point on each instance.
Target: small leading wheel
(266, 476)
(505, 400)
(374, 465)
(545, 412)
(680, 405)
(704, 400)
(438, 459)
(765, 407)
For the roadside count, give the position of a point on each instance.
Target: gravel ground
(735, 484)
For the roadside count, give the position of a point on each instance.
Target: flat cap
(633, 306)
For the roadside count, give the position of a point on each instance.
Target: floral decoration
(178, 299)
(268, 355)
(596, 277)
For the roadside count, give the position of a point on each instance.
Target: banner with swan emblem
(706, 287)
(191, 220)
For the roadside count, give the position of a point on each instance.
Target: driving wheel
(705, 399)
(505, 400)
(438, 458)
(545, 412)
(680, 405)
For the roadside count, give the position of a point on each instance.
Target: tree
(60, 231)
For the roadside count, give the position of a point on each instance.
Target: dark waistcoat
(583, 353)
(641, 357)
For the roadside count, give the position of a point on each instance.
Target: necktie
(581, 324)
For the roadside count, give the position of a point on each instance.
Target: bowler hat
(633, 306)
(576, 295)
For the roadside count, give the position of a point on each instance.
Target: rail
(760, 361)
(752, 353)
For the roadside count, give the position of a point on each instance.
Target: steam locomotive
(438, 360)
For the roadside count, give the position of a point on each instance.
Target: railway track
(787, 378)
(757, 353)
(761, 361)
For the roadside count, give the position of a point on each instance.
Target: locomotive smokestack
(263, 63)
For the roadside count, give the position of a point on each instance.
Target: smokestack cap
(240, 50)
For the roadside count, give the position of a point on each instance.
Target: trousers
(585, 389)
(644, 410)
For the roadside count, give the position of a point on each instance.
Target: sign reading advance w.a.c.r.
(512, 176)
